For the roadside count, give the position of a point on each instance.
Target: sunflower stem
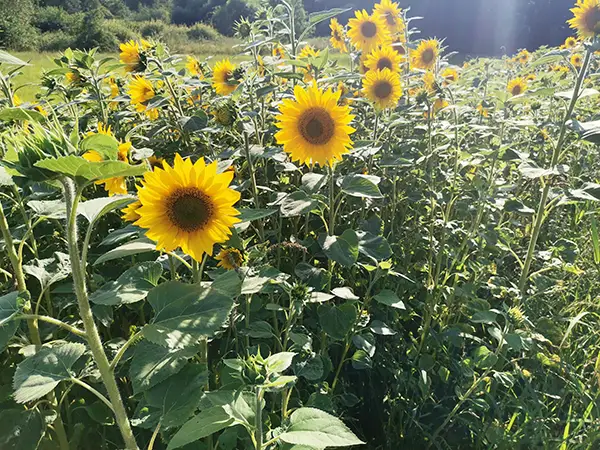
(541, 211)
(72, 196)
(261, 231)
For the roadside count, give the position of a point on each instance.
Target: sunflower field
(359, 246)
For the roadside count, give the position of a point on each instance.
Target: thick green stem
(541, 210)
(85, 311)
(258, 426)
(339, 368)
(32, 324)
(261, 230)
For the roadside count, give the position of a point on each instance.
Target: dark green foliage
(16, 31)
(202, 32)
(226, 15)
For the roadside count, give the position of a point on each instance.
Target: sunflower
(223, 77)
(516, 86)
(155, 162)
(530, 77)
(193, 66)
(131, 55)
(426, 54)
(230, 259)
(429, 82)
(391, 12)
(116, 185)
(188, 205)
(130, 213)
(483, 110)
(399, 45)
(41, 110)
(151, 113)
(313, 127)
(308, 51)
(16, 100)
(523, 56)
(337, 36)
(362, 65)
(382, 87)
(576, 59)
(140, 91)
(73, 77)
(367, 32)
(383, 57)
(437, 106)
(278, 52)
(345, 94)
(570, 42)
(587, 18)
(449, 75)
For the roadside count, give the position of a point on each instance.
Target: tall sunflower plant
(304, 248)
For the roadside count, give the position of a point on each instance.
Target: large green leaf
(7, 58)
(341, 249)
(49, 270)
(21, 429)
(337, 321)
(202, 425)
(178, 397)
(132, 286)
(40, 374)
(21, 114)
(10, 305)
(296, 204)
(248, 214)
(316, 428)
(77, 167)
(141, 245)
(185, 313)
(373, 246)
(93, 209)
(105, 145)
(363, 186)
(152, 364)
(5, 177)
(389, 298)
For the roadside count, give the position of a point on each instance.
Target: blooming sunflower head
(437, 106)
(278, 52)
(194, 67)
(576, 59)
(308, 51)
(392, 14)
(140, 90)
(133, 55)
(383, 58)
(73, 77)
(483, 110)
(313, 127)
(570, 42)
(426, 54)
(115, 185)
(586, 18)
(368, 31)
(383, 88)
(337, 39)
(523, 56)
(429, 82)
(187, 205)
(449, 75)
(516, 86)
(130, 211)
(230, 259)
(224, 80)
(530, 77)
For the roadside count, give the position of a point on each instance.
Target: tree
(16, 31)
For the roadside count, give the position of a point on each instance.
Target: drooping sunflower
(115, 185)
(140, 90)
(314, 129)
(426, 54)
(278, 52)
(188, 205)
(230, 258)
(308, 51)
(449, 75)
(576, 59)
(391, 12)
(437, 106)
(429, 82)
(130, 213)
(586, 18)
(516, 86)
(337, 38)
(483, 110)
(131, 55)
(73, 77)
(368, 31)
(194, 67)
(382, 58)
(523, 56)
(383, 88)
(224, 81)
(570, 42)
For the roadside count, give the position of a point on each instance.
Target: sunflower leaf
(77, 167)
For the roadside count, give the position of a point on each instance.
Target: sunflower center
(592, 19)
(189, 209)
(516, 90)
(399, 48)
(428, 55)
(384, 63)
(368, 29)
(390, 19)
(383, 89)
(228, 77)
(316, 126)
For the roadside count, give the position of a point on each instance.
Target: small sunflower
(313, 127)
(151, 113)
(131, 55)
(399, 45)
(188, 205)
(230, 259)
(586, 18)
(383, 88)
(429, 82)
(570, 42)
(523, 56)
(155, 162)
(308, 51)
(224, 80)
(367, 32)
(382, 58)
(130, 213)
(530, 77)
(16, 100)
(140, 91)
(115, 185)
(516, 86)
(426, 54)
(577, 59)
(73, 77)
(438, 105)
(449, 75)
(483, 110)
(391, 12)
(194, 67)
(41, 110)
(278, 52)
(337, 38)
